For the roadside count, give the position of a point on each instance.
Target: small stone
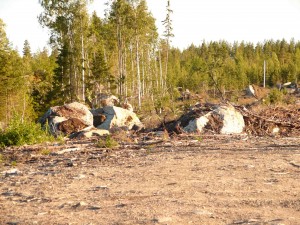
(203, 212)
(94, 207)
(11, 172)
(164, 219)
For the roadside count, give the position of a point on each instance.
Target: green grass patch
(45, 151)
(20, 133)
(108, 142)
(198, 138)
(13, 163)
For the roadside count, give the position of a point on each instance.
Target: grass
(45, 151)
(108, 142)
(20, 133)
(122, 136)
(198, 138)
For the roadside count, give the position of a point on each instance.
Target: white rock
(275, 130)
(250, 91)
(119, 117)
(68, 150)
(198, 124)
(11, 172)
(233, 121)
(96, 132)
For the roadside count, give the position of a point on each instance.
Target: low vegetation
(108, 142)
(21, 132)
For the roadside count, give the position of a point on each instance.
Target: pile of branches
(267, 121)
(271, 121)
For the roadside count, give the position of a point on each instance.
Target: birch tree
(68, 23)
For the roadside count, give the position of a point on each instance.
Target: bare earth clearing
(219, 180)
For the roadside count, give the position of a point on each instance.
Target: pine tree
(26, 49)
(168, 34)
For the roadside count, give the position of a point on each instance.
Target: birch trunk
(138, 72)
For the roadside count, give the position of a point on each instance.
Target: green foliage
(14, 81)
(13, 163)
(108, 142)
(43, 66)
(26, 49)
(275, 97)
(20, 133)
(199, 138)
(45, 151)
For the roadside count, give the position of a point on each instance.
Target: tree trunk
(143, 75)
(156, 72)
(160, 71)
(83, 69)
(166, 72)
(138, 72)
(132, 69)
(120, 55)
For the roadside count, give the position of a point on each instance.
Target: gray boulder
(68, 118)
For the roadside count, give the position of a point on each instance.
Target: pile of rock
(212, 118)
(76, 120)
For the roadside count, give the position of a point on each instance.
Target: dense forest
(123, 54)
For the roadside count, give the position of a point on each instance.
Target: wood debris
(272, 121)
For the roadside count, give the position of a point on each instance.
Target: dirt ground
(212, 180)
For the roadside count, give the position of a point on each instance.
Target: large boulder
(233, 120)
(220, 119)
(67, 118)
(110, 117)
(224, 119)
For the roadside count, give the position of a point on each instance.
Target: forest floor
(213, 180)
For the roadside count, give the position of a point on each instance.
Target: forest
(123, 54)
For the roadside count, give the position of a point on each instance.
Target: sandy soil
(217, 180)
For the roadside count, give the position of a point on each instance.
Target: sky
(194, 21)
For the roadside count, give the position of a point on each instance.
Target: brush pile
(228, 119)
(272, 121)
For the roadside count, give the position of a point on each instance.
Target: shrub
(109, 142)
(275, 97)
(45, 151)
(26, 132)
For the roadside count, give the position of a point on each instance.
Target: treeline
(123, 54)
(234, 66)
